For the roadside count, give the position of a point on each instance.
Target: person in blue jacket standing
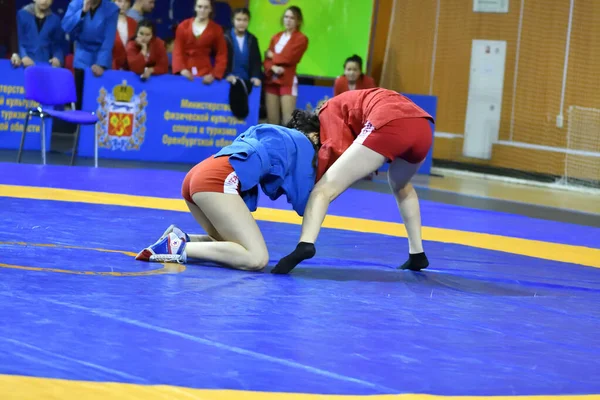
(222, 191)
(40, 35)
(92, 26)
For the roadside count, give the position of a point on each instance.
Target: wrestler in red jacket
(360, 130)
(196, 39)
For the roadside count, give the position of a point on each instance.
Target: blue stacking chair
(51, 87)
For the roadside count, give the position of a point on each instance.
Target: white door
(484, 105)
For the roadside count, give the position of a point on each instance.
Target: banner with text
(13, 110)
(165, 119)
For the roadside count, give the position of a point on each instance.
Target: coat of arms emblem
(122, 118)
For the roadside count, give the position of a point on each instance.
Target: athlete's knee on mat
(257, 261)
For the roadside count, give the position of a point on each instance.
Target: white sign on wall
(484, 104)
(490, 6)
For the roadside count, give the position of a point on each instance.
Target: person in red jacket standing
(195, 40)
(147, 54)
(360, 130)
(126, 27)
(281, 59)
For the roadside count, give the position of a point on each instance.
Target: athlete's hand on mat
(15, 60)
(27, 62)
(97, 70)
(187, 74)
(269, 54)
(231, 79)
(54, 62)
(255, 81)
(208, 79)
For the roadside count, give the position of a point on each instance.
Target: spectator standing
(126, 28)
(281, 59)
(140, 9)
(196, 39)
(92, 25)
(243, 52)
(40, 35)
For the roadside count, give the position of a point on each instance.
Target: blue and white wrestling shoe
(169, 249)
(180, 234)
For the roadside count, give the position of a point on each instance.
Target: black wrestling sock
(415, 262)
(303, 251)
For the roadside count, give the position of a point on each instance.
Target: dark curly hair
(307, 122)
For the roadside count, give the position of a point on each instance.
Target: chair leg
(75, 145)
(43, 140)
(20, 153)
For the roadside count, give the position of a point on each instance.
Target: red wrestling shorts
(211, 175)
(279, 90)
(408, 138)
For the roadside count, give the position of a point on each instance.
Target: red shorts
(408, 138)
(279, 90)
(211, 175)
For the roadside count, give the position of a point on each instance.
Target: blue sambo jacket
(278, 159)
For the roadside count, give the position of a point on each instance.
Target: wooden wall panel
(379, 38)
(504, 156)
(537, 97)
(410, 45)
(583, 87)
(458, 26)
(540, 73)
(236, 3)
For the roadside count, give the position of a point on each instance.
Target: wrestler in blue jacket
(278, 159)
(222, 191)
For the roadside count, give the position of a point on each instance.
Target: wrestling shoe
(171, 249)
(180, 234)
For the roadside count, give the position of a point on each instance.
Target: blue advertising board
(13, 110)
(165, 119)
